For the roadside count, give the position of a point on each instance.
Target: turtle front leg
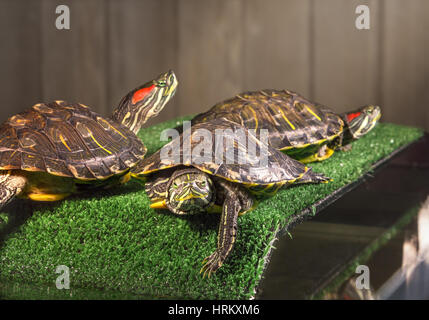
(324, 153)
(342, 144)
(346, 148)
(226, 235)
(10, 186)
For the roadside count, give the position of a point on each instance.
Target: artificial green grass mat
(114, 243)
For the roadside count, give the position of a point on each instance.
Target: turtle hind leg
(313, 177)
(10, 186)
(323, 153)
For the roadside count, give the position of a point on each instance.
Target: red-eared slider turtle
(305, 130)
(55, 149)
(218, 171)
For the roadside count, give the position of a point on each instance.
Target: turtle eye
(162, 83)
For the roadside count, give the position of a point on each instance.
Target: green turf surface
(116, 246)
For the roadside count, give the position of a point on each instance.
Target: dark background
(217, 48)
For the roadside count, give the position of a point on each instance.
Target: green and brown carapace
(304, 130)
(55, 149)
(186, 185)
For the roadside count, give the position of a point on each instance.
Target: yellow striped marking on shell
(64, 142)
(73, 170)
(118, 132)
(315, 142)
(17, 120)
(42, 108)
(255, 117)
(240, 97)
(107, 125)
(286, 119)
(95, 140)
(312, 112)
(145, 171)
(252, 184)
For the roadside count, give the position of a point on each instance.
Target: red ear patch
(351, 116)
(140, 94)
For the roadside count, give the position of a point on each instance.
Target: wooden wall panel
(405, 62)
(217, 48)
(346, 60)
(276, 51)
(209, 52)
(20, 81)
(142, 37)
(423, 65)
(74, 62)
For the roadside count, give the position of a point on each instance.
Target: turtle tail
(313, 177)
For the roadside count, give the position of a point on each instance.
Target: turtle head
(189, 191)
(361, 121)
(146, 101)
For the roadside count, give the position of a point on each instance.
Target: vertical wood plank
(405, 66)
(217, 48)
(423, 64)
(276, 50)
(346, 60)
(209, 52)
(20, 85)
(142, 44)
(74, 61)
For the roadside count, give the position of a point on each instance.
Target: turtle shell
(68, 140)
(291, 120)
(224, 155)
